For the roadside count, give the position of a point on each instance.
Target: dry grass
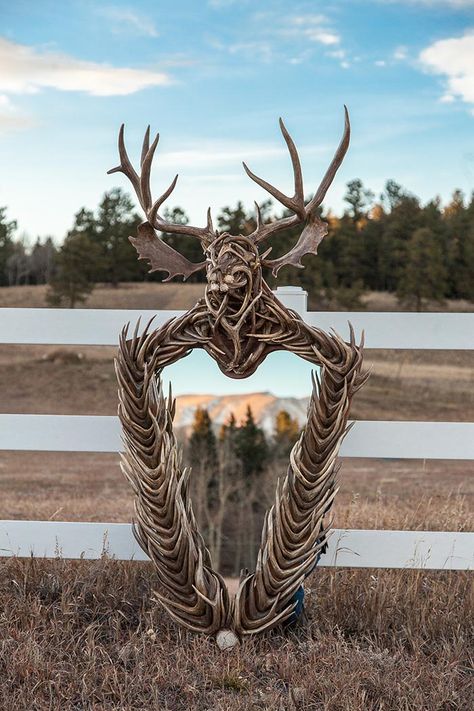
(80, 636)
(405, 494)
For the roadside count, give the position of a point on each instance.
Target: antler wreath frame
(238, 323)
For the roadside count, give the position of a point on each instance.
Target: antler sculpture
(238, 322)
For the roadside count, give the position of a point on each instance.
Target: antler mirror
(238, 322)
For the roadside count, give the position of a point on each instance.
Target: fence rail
(347, 548)
(377, 439)
(101, 327)
(400, 440)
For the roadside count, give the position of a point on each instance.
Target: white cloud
(261, 49)
(11, 118)
(380, 63)
(219, 154)
(337, 54)
(273, 36)
(313, 28)
(400, 53)
(25, 69)
(453, 58)
(126, 20)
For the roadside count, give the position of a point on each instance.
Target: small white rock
(226, 639)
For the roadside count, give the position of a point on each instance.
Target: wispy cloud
(11, 118)
(228, 154)
(400, 53)
(26, 70)
(313, 28)
(224, 4)
(453, 58)
(292, 38)
(123, 19)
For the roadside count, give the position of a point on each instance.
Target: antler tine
(210, 225)
(333, 168)
(141, 185)
(152, 214)
(259, 215)
(295, 160)
(295, 203)
(146, 171)
(126, 167)
(145, 145)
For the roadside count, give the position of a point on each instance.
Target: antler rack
(163, 257)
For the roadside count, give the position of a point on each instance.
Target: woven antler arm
(192, 593)
(295, 531)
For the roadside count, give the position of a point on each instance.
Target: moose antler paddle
(238, 322)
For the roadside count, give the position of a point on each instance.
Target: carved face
(232, 263)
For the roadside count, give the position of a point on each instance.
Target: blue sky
(213, 77)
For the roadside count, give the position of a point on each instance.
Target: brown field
(86, 635)
(175, 295)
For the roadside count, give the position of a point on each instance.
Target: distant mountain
(265, 408)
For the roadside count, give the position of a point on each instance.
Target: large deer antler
(162, 257)
(315, 229)
(149, 246)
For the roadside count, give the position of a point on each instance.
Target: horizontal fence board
(433, 550)
(99, 433)
(102, 326)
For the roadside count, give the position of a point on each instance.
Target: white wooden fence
(378, 439)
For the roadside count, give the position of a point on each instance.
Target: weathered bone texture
(192, 593)
(163, 257)
(238, 322)
(294, 530)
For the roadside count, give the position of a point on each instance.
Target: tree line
(392, 243)
(233, 479)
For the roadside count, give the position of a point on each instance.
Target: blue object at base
(298, 597)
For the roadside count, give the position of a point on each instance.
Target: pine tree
(252, 448)
(459, 221)
(236, 221)
(424, 276)
(75, 271)
(7, 229)
(43, 258)
(287, 431)
(228, 449)
(114, 224)
(398, 227)
(358, 198)
(213, 480)
(202, 442)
